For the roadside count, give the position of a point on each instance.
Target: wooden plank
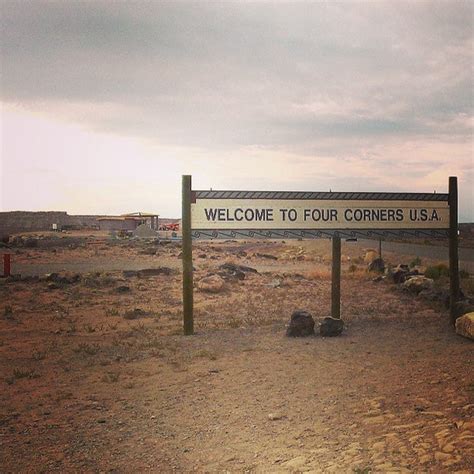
(187, 257)
(336, 278)
(453, 247)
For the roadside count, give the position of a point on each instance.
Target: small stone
(275, 416)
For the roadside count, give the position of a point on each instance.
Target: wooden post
(380, 248)
(336, 278)
(453, 247)
(187, 256)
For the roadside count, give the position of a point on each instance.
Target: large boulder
(418, 283)
(301, 324)
(465, 325)
(331, 327)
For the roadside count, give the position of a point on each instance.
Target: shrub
(416, 262)
(352, 268)
(437, 271)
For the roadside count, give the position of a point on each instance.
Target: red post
(6, 265)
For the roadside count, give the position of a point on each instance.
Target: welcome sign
(311, 215)
(267, 214)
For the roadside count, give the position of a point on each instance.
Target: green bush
(437, 271)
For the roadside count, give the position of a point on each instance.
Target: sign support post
(453, 247)
(336, 278)
(187, 256)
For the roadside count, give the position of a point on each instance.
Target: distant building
(128, 221)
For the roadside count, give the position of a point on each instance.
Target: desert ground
(96, 375)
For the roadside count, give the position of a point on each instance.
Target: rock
(203, 255)
(399, 273)
(129, 273)
(63, 279)
(53, 286)
(274, 283)
(235, 272)
(331, 327)
(370, 256)
(275, 416)
(232, 274)
(234, 267)
(465, 325)
(122, 289)
(376, 265)
(463, 307)
(211, 284)
(418, 283)
(147, 272)
(148, 251)
(301, 324)
(266, 255)
(52, 276)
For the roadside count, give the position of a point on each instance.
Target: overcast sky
(105, 105)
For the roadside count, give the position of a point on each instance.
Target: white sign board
(317, 214)
(279, 214)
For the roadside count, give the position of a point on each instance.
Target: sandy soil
(91, 384)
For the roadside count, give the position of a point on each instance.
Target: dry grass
(320, 274)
